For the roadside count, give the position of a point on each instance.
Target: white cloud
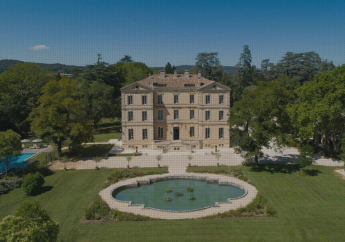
(39, 47)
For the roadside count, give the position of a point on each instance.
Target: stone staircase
(177, 146)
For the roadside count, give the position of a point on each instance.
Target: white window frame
(207, 133)
(208, 99)
(176, 100)
(190, 114)
(143, 99)
(130, 134)
(144, 117)
(221, 136)
(192, 134)
(221, 97)
(130, 114)
(221, 118)
(191, 100)
(207, 117)
(160, 117)
(160, 96)
(176, 114)
(129, 100)
(160, 132)
(145, 133)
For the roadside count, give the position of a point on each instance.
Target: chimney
(186, 73)
(199, 74)
(175, 74)
(162, 74)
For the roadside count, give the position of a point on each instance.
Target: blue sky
(154, 32)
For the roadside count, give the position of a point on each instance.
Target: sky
(155, 32)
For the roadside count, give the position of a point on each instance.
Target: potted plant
(189, 189)
(192, 197)
(168, 190)
(168, 199)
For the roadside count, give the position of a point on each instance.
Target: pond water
(154, 195)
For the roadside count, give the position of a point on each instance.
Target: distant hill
(5, 64)
(180, 69)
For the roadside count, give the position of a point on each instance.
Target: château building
(175, 112)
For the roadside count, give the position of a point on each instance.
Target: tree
(126, 59)
(10, 145)
(98, 100)
(169, 69)
(158, 158)
(128, 158)
(128, 73)
(209, 65)
(61, 116)
(246, 72)
(260, 119)
(20, 87)
(29, 223)
(320, 109)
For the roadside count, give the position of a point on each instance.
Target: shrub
(29, 223)
(99, 210)
(33, 183)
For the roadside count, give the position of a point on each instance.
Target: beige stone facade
(175, 112)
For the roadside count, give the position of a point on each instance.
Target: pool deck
(179, 172)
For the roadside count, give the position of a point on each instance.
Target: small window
(160, 132)
(160, 85)
(221, 133)
(189, 85)
(207, 115)
(191, 114)
(208, 99)
(207, 133)
(176, 114)
(144, 134)
(144, 116)
(130, 134)
(221, 99)
(221, 115)
(160, 114)
(192, 131)
(175, 99)
(143, 100)
(130, 116)
(160, 99)
(191, 99)
(130, 100)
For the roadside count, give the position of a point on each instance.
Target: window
(192, 131)
(221, 99)
(144, 116)
(221, 133)
(175, 114)
(191, 99)
(160, 114)
(144, 134)
(175, 99)
(130, 116)
(207, 133)
(191, 114)
(130, 100)
(208, 99)
(143, 100)
(160, 99)
(160, 132)
(207, 115)
(130, 134)
(189, 85)
(221, 115)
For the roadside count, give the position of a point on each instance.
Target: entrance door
(176, 133)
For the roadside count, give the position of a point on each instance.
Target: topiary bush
(33, 183)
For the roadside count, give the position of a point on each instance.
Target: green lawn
(108, 129)
(310, 208)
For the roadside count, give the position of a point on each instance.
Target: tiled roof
(174, 81)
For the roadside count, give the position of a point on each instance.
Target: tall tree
(209, 65)
(128, 73)
(126, 59)
(169, 69)
(320, 110)
(10, 145)
(246, 72)
(60, 115)
(20, 87)
(98, 100)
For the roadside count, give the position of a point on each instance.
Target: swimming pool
(16, 161)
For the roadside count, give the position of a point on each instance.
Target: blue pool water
(16, 161)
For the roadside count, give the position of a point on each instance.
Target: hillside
(5, 64)
(181, 68)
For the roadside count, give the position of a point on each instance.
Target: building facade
(175, 112)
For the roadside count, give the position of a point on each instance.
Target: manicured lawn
(106, 137)
(310, 208)
(108, 129)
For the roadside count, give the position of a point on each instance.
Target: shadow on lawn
(105, 128)
(285, 169)
(44, 190)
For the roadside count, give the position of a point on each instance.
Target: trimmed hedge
(8, 185)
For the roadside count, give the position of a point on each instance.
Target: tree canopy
(61, 115)
(169, 69)
(20, 87)
(126, 59)
(10, 145)
(29, 223)
(209, 65)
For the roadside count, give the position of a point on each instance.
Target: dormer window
(189, 85)
(137, 87)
